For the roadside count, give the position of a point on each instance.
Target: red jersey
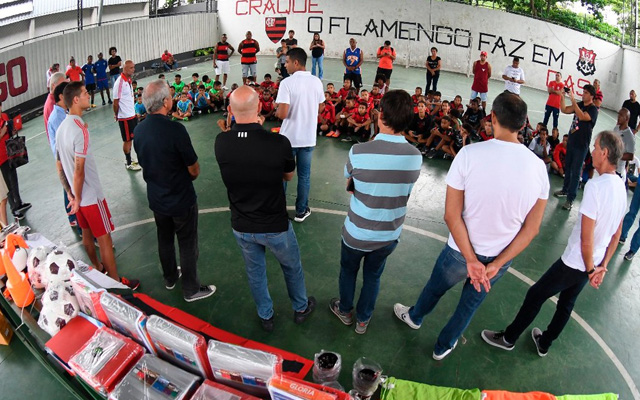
(348, 111)
(415, 99)
(329, 112)
(359, 119)
(559, 154)
(480, 77)
(4, 118)
(248, 52)
(343, 93)
(269, 85)
(376, 98)
(554, 99)
(223, 51)
(267, 105)
(74, 74)
(458, 107)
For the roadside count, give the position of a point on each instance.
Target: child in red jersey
(267, 106)
(344, 90)
(486, 132)
(342, 122)
(457, 104)
(359, 123)
(376, 96)
(416, 96)
(327, 118)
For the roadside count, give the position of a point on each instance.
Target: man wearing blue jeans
(380, 175)
(300, 98)
(627, 223)
(584, 119)
(492, 217)
(253, 163)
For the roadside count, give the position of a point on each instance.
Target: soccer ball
(59, 306)
(59, 265)
(36, 265)
(19, 258)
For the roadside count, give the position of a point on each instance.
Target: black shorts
(91, 86)
(126, 128)
(385, 72)
(356, 79)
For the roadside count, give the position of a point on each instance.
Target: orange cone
(17, 282)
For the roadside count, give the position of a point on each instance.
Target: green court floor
(597, 352)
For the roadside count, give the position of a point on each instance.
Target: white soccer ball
(19, 258)
(59, 267)
(59, 306)
(36, 265)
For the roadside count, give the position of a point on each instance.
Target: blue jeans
(317, 61)
(548, 110)
(169, 67)
(284, 247)
(561, 279)
(629, 219)
(302, 155)
(450, 269)
(572, 172)
(372, 268)
(112, 79)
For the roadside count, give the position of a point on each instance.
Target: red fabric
(359, 119)
(198, 325)
(270, 84)
(559, 154)
(46, 112)
(343, 93)
(554, 99)
(3, 140)
(74, 73)
(166, 56)
(329, 112)
(504, 395)
(480, 77)
(267, 106)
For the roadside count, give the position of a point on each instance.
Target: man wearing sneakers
(481, 74)
(584, 119)
(483, 241)
(258, 207)
(248, 49)
(591, 245)
(300, 99)
(221, 55)
(170, 166)
(380, 175)
(125, 113)
(102, 80)
(79, 176)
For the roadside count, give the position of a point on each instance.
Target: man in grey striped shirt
(380, 175)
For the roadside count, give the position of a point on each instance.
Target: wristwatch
(592, 270)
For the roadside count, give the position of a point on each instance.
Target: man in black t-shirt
(584, 119)
(170, 165)
(634, 109)
(291, 41)
(114, 63)
(253, 164)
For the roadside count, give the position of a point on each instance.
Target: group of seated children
(196, 97)
(267, 92)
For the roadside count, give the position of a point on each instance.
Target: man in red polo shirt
(74, 72)
(555, 89)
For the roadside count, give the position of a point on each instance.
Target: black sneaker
(621, 241)
(300, 316)
(496, 339)
(132, 283)
(346, 139)
(202, 293)
(560, 193)
(18, 215)
(431, 153)
(301, 217)
(110, 102)
(170, 285)
(536, 333)
(23, 207)
(567, 205)
(267, 324)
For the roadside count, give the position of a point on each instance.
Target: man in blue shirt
(380, 175)
(102, 81)
(89, 78)
(352, 58)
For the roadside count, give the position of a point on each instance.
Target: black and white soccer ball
(59, 306)
(36, 265)
(59, 267)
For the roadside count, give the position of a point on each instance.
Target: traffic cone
(18, 283)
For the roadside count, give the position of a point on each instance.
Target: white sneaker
(439, 357)
(225, 88)
(402, 312)
(133, 167)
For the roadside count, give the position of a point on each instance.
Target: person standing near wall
(317, 55)
(555, 89)
(513, 77)
(125, 112)
(281, 54)
(114, 63)
(102, 80)
(352, 58)
(599, 97)
(481, 75)
(221, 55)
(433, 64)
(52, 70)
(300, 99)
(248, 49)
(633, 106)
(387, 55)
(291, 41)
(584, 119)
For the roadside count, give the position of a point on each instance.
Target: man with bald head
(253, 163)
(125, 113)
(625, 132)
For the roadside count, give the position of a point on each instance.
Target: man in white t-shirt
(623, 130)
(300, 99)
(493, 211)
(513, 77)
(591, 245)
(78, 174)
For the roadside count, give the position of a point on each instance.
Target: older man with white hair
(170, 165)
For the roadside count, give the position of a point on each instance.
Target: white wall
(38, 56)
(410, 26)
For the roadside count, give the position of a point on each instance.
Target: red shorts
(96, 218)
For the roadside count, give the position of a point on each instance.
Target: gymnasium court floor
(596, 353)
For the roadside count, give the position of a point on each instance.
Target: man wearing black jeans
(584, 119)
(170, 164)
(9, 172)
(591, 245)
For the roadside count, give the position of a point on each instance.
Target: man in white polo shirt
(300, 98)
(513, 77)
(123, 108)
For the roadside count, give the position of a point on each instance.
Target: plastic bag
(366, 377)
(326, 366)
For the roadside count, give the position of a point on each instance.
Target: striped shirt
(384, 172)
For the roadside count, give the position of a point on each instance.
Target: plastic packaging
(288, 388)
(104, 360)
(326, 366)
(36, 265)
(59, 306)
(179, 346)
(366, 377)
(126, 319)
(154, 379)
(88, 296)
(242, 368)
(215, 391)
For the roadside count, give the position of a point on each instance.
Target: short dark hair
(510, 111)
(178, 76)
(205, 78)
(299, 55)
(267, 76)
(71, 91)
(434, 48)
(217, 83)
(396, 109)
(436, 93)
(516, 58)
(195, 74)
(111, 49)
(387, 42)
(591, 89)
(57, 93)
(201, 87)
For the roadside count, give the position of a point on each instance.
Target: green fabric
(398, 389)
(605, 396)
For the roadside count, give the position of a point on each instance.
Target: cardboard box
(6, 333)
